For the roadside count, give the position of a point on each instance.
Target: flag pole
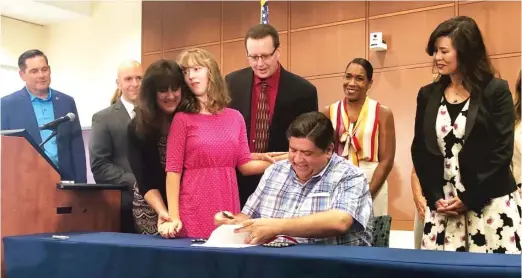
(264, 12)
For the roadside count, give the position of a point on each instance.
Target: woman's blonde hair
(217, 91)
(116, 96)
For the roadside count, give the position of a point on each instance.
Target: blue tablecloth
(99, 255)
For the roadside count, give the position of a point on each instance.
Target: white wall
(16, 37)
(84, 53)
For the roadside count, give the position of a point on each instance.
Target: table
(99, 255)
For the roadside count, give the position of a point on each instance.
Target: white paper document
(224, 237)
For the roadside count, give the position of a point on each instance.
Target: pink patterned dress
(206, 149)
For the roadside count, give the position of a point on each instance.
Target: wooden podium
(31, 201)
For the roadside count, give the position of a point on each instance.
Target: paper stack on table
(224, 237)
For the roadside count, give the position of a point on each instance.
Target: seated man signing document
(315, 196)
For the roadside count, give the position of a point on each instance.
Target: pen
(226, 215)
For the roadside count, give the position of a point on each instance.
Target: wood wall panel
(404, 225)
(403, 47)
(385, 7)
(508, 68)
(187, 23)
(465, 2)
(326, 50)
(318, 41)
(398, 89)
(311, 13)
(147, 59)
(241, 15)
(215, 50)
(235, 54)
(329, 89)
(151, 29)
(499, 23)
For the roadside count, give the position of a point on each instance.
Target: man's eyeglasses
(264, 57)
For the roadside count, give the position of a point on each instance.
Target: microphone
(54, 124)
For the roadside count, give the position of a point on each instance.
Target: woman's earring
(435, 75)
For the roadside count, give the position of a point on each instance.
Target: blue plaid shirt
(340, 186)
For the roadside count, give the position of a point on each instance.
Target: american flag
(264, 12)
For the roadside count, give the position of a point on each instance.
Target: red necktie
(262, 120)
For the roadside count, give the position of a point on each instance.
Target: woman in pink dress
(206, 143)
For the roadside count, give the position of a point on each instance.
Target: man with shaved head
(108, 143)
(128, 81)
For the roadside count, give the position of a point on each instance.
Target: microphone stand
(49, 138)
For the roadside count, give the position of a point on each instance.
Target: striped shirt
(357, 141)
(339, 186)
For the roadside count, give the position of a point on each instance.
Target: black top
(454, 108)
(487, 152)
(147, 161)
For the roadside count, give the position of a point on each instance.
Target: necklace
(456, 95)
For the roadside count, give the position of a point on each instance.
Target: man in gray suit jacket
(108, 140)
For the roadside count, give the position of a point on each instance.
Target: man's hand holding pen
(224, 217)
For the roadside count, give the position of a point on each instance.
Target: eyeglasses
(263, 57)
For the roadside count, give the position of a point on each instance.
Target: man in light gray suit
(108, 143)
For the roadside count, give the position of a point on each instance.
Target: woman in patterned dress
(463, 146)
(206, 143)
(162, 91)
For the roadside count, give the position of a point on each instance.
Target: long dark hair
(517, 102)
(473, 62)
(159, 77)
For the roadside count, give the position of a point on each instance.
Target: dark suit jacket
(295, 96)
(17, 113)
(108, 154)
(486, 155)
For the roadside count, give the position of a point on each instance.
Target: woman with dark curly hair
(162, 92)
